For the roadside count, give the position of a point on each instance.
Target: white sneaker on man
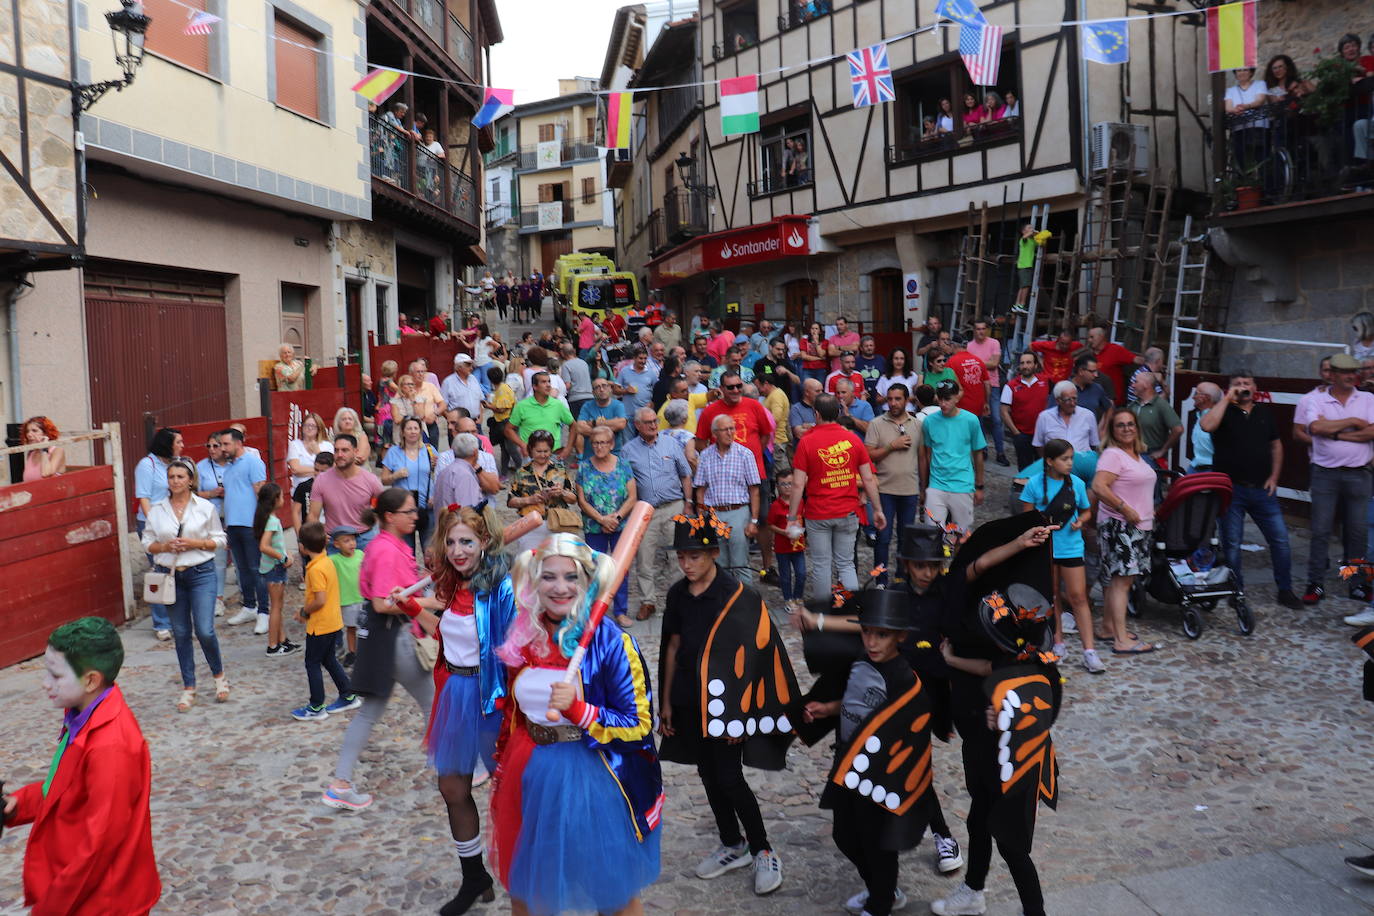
(261, 628)
(767, 872)
(965, 901)
(857, 903)
(726, 858)
(245, 615)
(1364, 618)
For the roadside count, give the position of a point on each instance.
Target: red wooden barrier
(59, 557)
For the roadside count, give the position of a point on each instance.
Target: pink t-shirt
(387, 563)
(849, 341)
(345, 498)
(1135, 484)
(1327, 452)
(586, 333)
(989, 350)
(717, 345)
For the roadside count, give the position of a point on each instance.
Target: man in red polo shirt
(1112, 362)
(1058, 355)
(828, 467)
(1023, 398)
(754, 427)
(973, 377)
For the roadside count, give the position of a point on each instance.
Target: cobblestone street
(1203, 752)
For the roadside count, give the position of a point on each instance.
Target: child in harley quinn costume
(476, 604)
(565, 838)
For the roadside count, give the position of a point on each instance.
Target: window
(784, 156)
(591, 129)
(495, 195)
(589, 190)
(740, 23)
(298, 63)
(932, 109)
(801, 12)
(545, 133)
(166, 37)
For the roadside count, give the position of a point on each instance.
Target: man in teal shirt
(952, 460)
(540, 410)
(601, 410)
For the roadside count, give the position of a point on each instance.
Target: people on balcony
(1249, 132)
(993, 108)
(799, 170)
(945, 122)
(1285, 83)
(1013, 106)
(973, 112)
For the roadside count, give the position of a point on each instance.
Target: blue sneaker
(344, 704)
(309, 714)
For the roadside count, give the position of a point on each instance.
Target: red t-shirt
(831, 456)
(855, 379)
(1112, 362)
(1027, 401)
(437, 325)
(971, 373)
(753, 426)
(777, 517)
(614, 326)
(1058, 364)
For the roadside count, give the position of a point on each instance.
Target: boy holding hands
(90, 852)
(323, 619)
(348, 564)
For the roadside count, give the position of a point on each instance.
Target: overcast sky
(547, 40)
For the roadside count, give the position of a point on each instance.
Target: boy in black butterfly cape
(998, 631)
(725, 683)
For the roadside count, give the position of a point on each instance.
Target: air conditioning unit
(1121, 146)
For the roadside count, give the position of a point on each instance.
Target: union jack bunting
(870, 76)
(980, 46)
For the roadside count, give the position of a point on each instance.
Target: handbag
(426, 648)
(161, 587)
(562, 520)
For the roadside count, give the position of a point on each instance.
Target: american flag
(200, 23)
(980, 45)
(870, 76)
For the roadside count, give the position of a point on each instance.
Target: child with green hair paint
(90, 852)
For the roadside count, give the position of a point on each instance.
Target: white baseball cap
(462, 358)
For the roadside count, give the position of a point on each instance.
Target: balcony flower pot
(1248, 198)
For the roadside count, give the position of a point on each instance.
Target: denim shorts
(276, 575)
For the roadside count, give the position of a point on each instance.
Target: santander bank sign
(779, 239)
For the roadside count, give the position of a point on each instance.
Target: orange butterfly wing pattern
(888, 761)
(746, 677)
(1024, 702)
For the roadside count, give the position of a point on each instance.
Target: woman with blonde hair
(346, 421)
(42, 462)
(1124, 486)
(300, 460)
(576, 804)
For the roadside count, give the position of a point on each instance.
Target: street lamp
(128, 29)
(687, 172)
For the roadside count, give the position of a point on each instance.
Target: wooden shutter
(545, 193)
(298, 79)
(165, 36)
(545, 133)
(566, 188)
(591, 129)
(589, 190)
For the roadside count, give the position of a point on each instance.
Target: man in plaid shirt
(727, 480)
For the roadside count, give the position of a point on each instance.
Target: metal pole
(126, 574)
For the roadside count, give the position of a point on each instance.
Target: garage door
(157, 345)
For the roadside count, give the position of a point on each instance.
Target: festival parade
(790, 455)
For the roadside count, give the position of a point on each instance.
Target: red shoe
(1314, 593)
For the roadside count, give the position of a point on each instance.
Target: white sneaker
(164, 635)
(1091, 663)
(965, 901)
(219, 607)
(1070, 624)
(726, 858)
(857, 903)
(767, 872)
(1060, 649)
(948, 858)
(261, 628)
(1362, 619)
(245, 615)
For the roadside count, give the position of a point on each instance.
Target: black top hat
(922, 543)
(702, 531)
(1017, 622)
(884, 608)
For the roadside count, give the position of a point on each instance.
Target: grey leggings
(417, 682)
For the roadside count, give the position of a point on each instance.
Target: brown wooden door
(799, 296)
(353, 306)
(888, 306)
(551, 249)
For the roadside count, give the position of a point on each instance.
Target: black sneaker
(770, 577)
(1002, 460)
(290, 646)
(1289, 600)
(349, 658)
(1314, 593)
(1362, 864)
(1360, 592)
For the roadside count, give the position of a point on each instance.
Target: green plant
(1326, 103)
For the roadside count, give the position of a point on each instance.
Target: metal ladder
(1025, 324)
(1190, 290)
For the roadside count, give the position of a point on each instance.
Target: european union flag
(1106, 42)
(963, 11)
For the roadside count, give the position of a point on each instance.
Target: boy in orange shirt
(323, 617)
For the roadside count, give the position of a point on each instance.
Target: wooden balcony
(408, 177)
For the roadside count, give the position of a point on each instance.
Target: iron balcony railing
(569, 150)
(399, 161)
(529, 216)
(685, 213)
(976, 136)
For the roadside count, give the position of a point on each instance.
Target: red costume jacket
(90, 852)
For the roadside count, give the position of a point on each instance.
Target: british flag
(980, 45)
(870, 76)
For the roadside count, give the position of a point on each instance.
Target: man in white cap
(461, 389)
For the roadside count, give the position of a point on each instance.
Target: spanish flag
(618, 108)
(379, 84)
(1231, 37)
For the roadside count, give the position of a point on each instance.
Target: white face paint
(64, 688)
(463, 549)
(559, 586)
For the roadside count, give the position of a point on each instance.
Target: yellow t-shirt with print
(502, 402)
(321, 576)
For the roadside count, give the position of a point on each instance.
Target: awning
(782, 237)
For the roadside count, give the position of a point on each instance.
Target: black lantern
(687, 172)
(128, 30)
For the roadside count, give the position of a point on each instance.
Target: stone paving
(1228, 751)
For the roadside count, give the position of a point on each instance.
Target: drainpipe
(12, 335)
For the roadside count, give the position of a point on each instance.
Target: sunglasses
(733, 387)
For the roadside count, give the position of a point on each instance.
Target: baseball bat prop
(630, 537)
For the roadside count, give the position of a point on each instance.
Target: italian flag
(739, 105)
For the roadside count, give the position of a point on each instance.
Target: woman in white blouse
(182, 533)
(300, 459)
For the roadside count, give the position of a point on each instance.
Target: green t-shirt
(265, 563)
(1025, 253)
(348, 569)
(934, 378)
(551, 416)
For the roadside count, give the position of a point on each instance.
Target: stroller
(1185, 526)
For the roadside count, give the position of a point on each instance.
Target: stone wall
(368, 243)
(1308, 30)
(1333, 275)
(503, 250)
